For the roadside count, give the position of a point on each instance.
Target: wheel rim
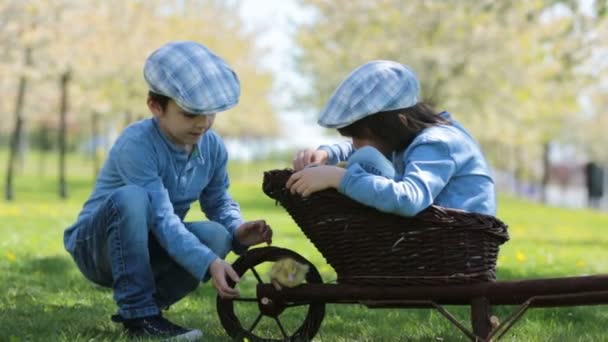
(245, 317)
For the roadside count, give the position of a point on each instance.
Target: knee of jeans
(219, 241)
(133, 209)
(131, 199)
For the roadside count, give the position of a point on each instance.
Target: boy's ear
(403, 120)
(155, 107)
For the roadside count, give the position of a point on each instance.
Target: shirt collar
(195, 155)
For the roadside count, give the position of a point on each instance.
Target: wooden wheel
(246, 317)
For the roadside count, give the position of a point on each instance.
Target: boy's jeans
(116, 249)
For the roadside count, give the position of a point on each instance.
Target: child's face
(182, 128)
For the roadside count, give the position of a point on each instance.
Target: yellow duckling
(287, 272)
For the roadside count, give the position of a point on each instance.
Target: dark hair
(388, 128)
(162, 100)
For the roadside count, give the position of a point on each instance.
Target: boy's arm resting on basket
(427, 171)
(137, 164)
(219, 206)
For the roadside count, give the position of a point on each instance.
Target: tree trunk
(17, 132)
(63, 108)
(44, 146)
(546, 167)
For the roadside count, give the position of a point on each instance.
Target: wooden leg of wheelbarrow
(480, 317)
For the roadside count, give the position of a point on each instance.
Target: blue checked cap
(199, 81)
(376, 86)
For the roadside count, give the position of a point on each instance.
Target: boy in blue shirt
(130, 234)
(404, 156)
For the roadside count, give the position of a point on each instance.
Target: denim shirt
(443, 165)
(145, 157)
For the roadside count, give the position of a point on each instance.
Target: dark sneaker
(157, 326)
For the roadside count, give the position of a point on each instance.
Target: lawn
(43, 297)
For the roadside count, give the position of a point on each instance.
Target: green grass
(43, 297)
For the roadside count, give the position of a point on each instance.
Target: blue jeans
(117, 249)
(372, 161)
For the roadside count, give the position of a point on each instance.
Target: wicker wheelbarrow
(440, 257)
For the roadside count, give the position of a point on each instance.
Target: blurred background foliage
(103, 44)
(523, 76)
(512, 71)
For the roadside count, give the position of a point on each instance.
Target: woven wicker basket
(439, 246)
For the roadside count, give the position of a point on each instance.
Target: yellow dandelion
(10, 211)
(521, 228)
(10, 256)
(580, 263)
(520, 256)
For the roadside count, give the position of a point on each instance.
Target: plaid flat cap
(373, 87)
(198, 80)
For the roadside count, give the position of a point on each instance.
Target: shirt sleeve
(216, 202)
(337, 152)
(428, 168)
(137, 164)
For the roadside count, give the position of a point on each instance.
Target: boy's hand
(254, 232)
(309, 156)
(219, 270)
(313, 179)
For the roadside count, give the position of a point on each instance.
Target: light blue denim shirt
(144, 156)
(443, 165)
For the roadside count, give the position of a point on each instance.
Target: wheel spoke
(240, 299)
(257, 276)
(255, 323)
(276, 319)
(294, 305)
